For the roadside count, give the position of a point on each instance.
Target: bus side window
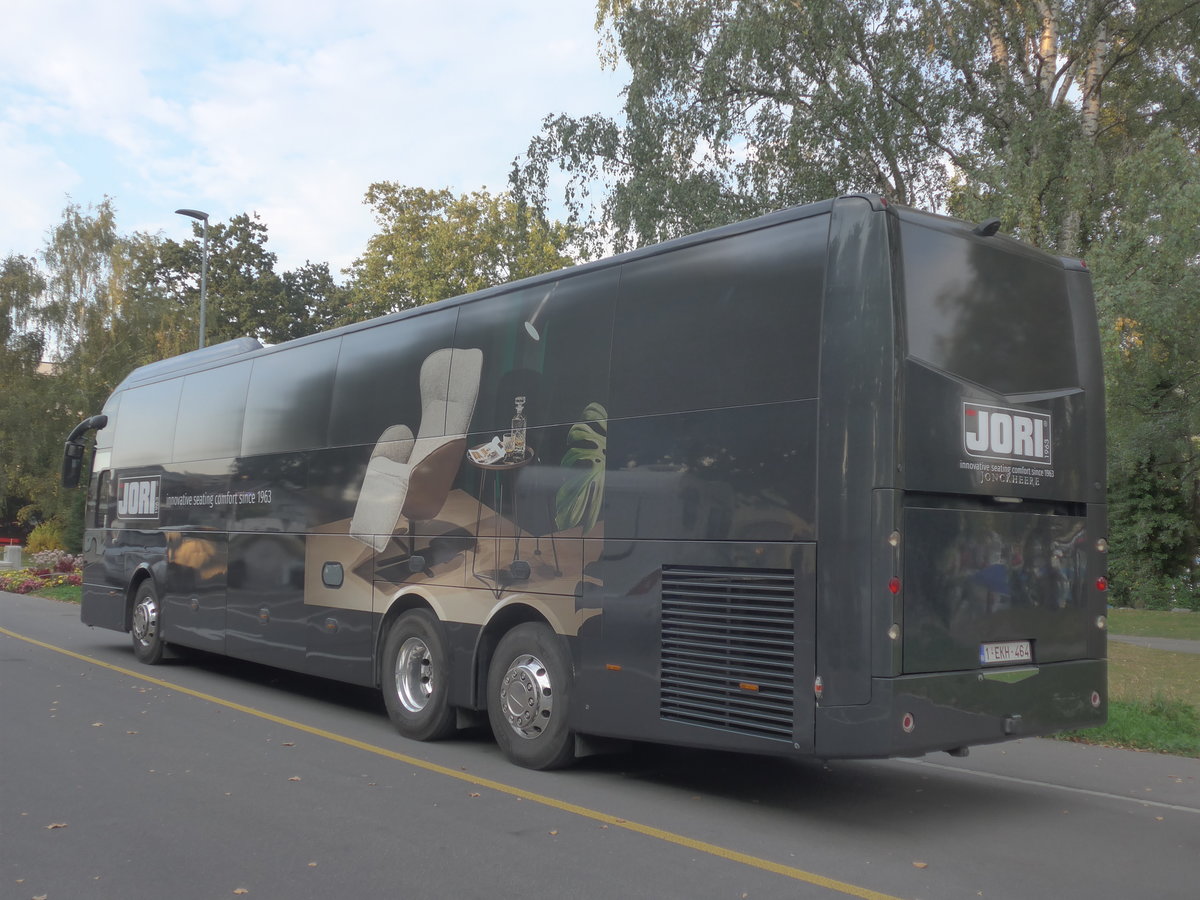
(730, 322)
(102, 500)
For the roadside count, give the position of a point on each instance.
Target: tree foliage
(96, 303)
(69, 327)
(736, 107)
(245, 295)
(1147, 273)
(432, 245)
(1076, 122)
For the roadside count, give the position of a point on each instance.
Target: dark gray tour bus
(829, 482)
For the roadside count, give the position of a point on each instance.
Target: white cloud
(277, 107)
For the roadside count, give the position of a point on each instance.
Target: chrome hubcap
(414, 675)
(145, 620)
(526, 696)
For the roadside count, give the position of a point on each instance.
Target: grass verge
(1155, 623)
(1159, 725)
(1154, 702)
(67, 592)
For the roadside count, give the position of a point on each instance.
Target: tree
(736, 107)
(314, 298)
(432, 245)
(1147, 273)
(68, 331)
(245, 296)
(20, 284)
(1077, 122)
(97, 304)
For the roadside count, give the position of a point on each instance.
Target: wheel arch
(141, 575)
(504, 620)
(402, 603)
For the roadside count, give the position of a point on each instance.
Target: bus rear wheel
(529, 696)
(416, 675)
(146, 625)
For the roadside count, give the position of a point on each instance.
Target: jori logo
(994, 432)
(137, 498)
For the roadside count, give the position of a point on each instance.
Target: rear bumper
(959, 709)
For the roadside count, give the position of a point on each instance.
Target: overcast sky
(284, 107)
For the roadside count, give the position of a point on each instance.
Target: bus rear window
(988, 311)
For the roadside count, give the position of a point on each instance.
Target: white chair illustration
(409, 477)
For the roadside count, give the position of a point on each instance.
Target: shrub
(46, 536)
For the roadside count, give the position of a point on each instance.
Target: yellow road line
(647, 830)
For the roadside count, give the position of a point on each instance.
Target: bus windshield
(971, 312)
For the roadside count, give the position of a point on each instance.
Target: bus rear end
(985, 567)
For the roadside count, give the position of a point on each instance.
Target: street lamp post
(203, 217)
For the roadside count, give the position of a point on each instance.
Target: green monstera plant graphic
(579, 500)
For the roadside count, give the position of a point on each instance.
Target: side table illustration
(501, 473)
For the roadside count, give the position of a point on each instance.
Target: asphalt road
(208, 778)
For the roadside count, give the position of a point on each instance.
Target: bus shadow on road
(308, 687)
(857, 793)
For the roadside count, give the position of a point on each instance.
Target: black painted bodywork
(769, 403)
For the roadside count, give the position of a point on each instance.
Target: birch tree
(981, 106)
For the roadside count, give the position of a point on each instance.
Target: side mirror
(72, 464)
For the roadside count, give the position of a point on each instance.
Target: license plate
(1006, 653)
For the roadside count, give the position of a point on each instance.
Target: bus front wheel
(416, 675)
(146, 625)
(529, 696)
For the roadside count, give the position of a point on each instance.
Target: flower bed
(50, 568)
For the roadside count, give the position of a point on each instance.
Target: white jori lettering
(137, 498)
(993, 432)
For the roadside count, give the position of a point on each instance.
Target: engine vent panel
(728, 649)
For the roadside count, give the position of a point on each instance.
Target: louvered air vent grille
(728, 649)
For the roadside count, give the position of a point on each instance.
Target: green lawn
(1154, 695)
(1154, 623)
(67, 592)
(1157, 725)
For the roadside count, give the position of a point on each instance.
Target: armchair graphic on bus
(409, 477)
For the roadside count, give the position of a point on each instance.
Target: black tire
(529, 697)
(415, 677)
(145, 625)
